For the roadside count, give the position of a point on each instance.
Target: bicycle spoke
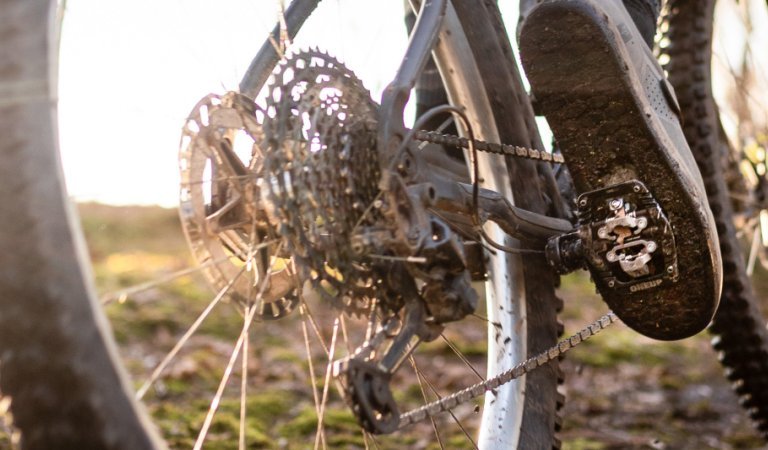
(426, 400)
(123, 294)
(455, 419)
(172, 354)
(328, 351)
(372, 438)
(285, 39)
(345, 335)
(315, 394)
(235, 353)
(217, 179)
(486, 320)
(367, 211)
(326, 383)
(244, 384)
(246, 343)
(461, 356)
(738, 80)
(316, 329)
(222, 384)
(753, 249)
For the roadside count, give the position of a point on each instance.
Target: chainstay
(449, 402)
(488, 147)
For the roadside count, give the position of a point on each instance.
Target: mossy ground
(623, 391)
(626, 391)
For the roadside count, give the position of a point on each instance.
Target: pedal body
(628, 242)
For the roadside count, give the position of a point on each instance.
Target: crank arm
(517, 222)
(449, 190)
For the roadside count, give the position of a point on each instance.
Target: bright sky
(130, 72)
(729, 44)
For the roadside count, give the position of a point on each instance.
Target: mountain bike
(308, 202)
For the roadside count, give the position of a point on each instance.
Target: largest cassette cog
(322, 172)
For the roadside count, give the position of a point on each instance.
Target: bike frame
(125, 423)
(521, 224)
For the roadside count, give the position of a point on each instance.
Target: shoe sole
(608, 134)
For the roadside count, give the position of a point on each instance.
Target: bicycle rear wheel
(720, 82)
(59, 363)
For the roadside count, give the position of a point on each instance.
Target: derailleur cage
(368, 392)
(623, 237)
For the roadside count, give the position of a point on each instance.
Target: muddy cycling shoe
(616, 120)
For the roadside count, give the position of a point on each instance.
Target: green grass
(623, 345)
(137, 244)
(130, 246)
(584, 444)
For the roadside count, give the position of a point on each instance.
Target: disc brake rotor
(223, 220)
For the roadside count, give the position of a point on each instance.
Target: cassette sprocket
(321, 170)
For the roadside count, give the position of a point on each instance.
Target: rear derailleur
(396, 242)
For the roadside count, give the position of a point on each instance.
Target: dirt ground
(626, 391)
(623, 391)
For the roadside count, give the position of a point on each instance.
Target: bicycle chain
(445, 404)
(488, 147)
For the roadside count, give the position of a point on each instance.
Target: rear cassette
(321, 173)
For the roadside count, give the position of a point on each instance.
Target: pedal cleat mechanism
(628, 241)
(624, 238)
